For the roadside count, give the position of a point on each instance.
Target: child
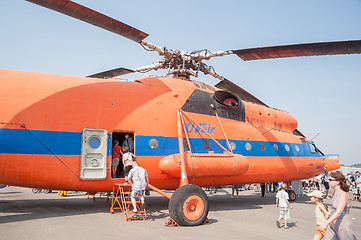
(128, 158)
(321, 212)
(282, 202)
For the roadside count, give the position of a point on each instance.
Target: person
(139, 177)
(321, 212)
(129, 143)
(358, 183)
(263, 189)
(339, 219)
(282, 202)
(234, 188)
(353, 188)
(128, 158)
(325, 178)
(116, 152)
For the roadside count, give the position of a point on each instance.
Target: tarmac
(25, 215)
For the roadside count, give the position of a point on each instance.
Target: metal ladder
(121, 200)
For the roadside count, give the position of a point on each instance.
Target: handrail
(159, 191)
(189, 118)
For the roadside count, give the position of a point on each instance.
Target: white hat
(316, 193)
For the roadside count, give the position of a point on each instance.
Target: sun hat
(316, 193)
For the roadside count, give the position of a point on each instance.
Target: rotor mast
(182, 64)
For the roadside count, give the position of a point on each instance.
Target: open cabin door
(94, 154)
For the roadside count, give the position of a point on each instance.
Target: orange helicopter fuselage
(43, 116)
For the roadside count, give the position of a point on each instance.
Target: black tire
(188, 205)
(291, 195)
(36, 190)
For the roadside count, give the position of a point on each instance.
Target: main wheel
(188, 205)
(291, 195)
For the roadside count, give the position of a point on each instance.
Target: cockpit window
(313, 148)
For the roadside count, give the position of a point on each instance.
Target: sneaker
(134, 210)
(278, 224)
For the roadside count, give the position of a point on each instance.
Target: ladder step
(139, 211)
(129, 202)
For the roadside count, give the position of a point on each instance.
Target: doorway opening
(124, 139)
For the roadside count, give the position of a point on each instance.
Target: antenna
(315, 136)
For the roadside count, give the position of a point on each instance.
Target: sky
(323, 93)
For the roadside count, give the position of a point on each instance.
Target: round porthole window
(275, 147)
(287, 147)
(185, 143)
(153, 143)
(233, 145)
(206, 144)
(94, 142)
(262, 146)
(248, 146)
(297, 148)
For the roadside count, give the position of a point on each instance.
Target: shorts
(235, 186)
(136, 192)
(284, 213)
(127, 169)
(318, 232)
(115, 161)
(327, 186)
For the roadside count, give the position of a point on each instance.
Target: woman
(339, 218)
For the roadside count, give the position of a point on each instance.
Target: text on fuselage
(202, 128)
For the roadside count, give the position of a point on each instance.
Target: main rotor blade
(88, 15)
(112, 73)
(300, 50)
(240, 92)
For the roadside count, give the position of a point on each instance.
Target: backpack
(140, 175)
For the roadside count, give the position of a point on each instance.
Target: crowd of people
(333, 222)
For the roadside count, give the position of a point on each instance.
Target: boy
(282, 202)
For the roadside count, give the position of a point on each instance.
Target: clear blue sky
(322, 93)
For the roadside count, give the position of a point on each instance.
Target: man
(139, 177)
(129, 142)
(325, 178)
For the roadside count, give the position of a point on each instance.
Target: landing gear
(291, 195)
(188, 205)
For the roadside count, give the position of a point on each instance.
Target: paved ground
(24, 215)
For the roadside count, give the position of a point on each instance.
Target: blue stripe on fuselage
(21, 141)
(169, 145)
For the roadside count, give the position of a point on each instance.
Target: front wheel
(188, 205)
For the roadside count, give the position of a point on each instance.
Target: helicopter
(57, 131)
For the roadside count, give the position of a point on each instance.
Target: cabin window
(287, 148)
(153, 143)
(94, 142)
(233, 145)
(248, 146)
(297, 148)
(206, 144)
(262, 146)
(275, 147)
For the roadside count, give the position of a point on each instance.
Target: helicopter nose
(332, 162)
